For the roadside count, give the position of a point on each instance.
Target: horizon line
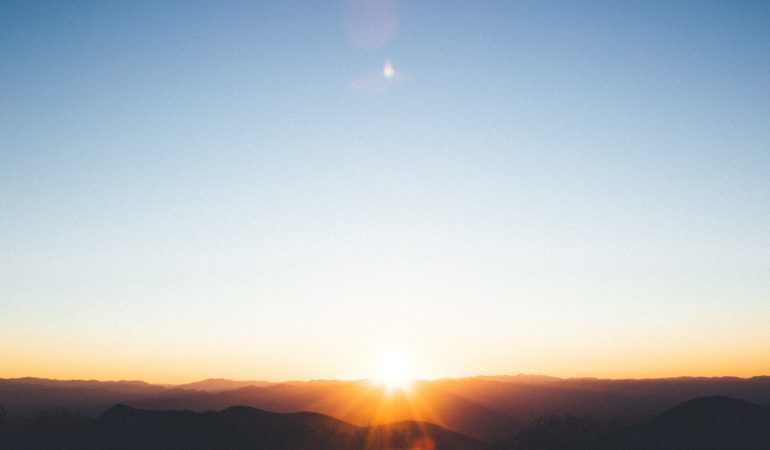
(369, 379)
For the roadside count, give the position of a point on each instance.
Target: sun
(394, 373)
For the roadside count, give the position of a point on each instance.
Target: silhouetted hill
(239, 427)
(712, 423)
(708, 423)
(558, 432)
(480, 407)
(485, 408)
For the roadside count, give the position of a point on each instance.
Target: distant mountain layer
(484, 408)
(219, 385)
(235, 428)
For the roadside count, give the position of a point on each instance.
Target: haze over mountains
(218, 385)
(483, 408)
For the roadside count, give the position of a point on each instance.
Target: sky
(291, 190)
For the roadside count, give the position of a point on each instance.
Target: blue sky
(550, 185)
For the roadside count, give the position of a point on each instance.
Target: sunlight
(394, 373)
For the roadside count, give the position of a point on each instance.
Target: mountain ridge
(485, 408)
(706, 423)
(242, 427)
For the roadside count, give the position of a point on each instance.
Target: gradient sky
(232, 189)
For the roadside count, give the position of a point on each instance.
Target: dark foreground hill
(235, 428)
(711, 423)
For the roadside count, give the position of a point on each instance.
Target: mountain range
(483, 408)
(707, 423)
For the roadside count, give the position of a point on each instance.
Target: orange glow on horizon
(161, 368)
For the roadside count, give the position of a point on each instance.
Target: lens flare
(381, 80)
(388, 71)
